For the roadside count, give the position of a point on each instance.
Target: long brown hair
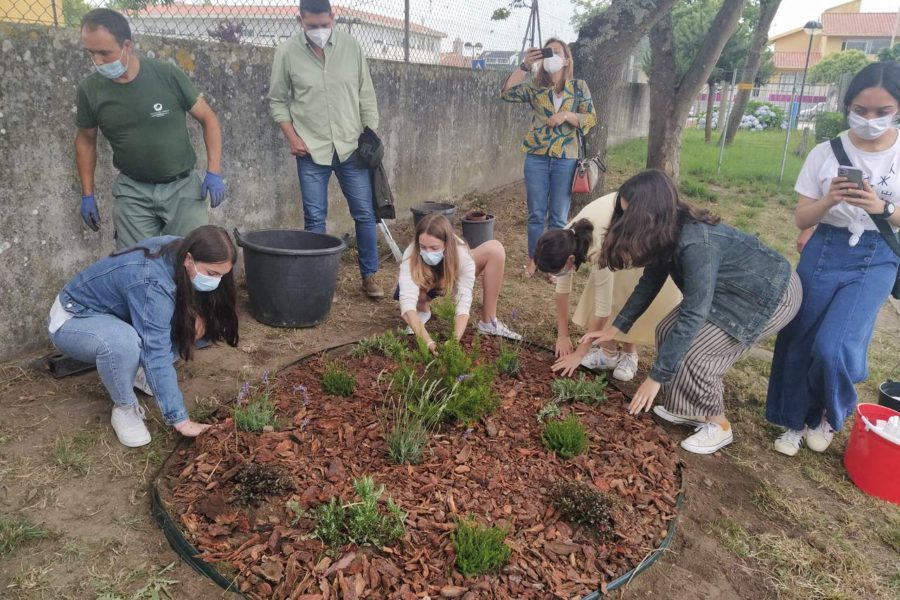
(647, 231)
(443, 275)
(208, 244)
(543, 78)
(555, 246)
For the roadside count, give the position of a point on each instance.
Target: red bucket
(871, 460)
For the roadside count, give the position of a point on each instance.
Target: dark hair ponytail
(555, 246)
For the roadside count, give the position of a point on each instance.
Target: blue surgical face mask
(203, 282)
(432, 259)
(114, 69)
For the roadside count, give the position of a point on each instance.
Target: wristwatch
(524, 67)
(888, 211)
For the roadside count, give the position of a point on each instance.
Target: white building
(380, 36)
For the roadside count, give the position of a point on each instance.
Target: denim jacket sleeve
(151, 316)
(699, 266)
(644, 293)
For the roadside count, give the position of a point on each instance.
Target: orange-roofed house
(844, 27)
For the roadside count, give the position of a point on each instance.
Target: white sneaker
(708, 438)
(671, 417)
(627, 367)
(496, 327)
(423, 316)
(128, 423)
(597, 359)
(789, 442)
(140, 382)
(819, 439)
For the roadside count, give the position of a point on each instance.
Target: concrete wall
(445, 130)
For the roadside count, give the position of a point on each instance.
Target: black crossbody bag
(884, 228)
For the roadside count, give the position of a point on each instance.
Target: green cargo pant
(144, 210)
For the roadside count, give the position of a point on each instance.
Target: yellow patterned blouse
(562, 141)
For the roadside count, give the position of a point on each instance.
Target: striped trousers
(697, 388)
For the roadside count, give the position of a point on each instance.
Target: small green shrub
(508, 359)
(580, 504)
(549, 411)
(567, 438)
(387, 343)
(337, 381)
(829, 125)
(362, 522)
(580, 389)
(692, 187)
(255, 481)
(444, 311)
(407, 420)
(254, 408)
(479, 549)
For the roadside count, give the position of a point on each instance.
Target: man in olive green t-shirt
(140, 105)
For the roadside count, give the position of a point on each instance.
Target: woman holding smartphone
(847, 269)
(561, 106)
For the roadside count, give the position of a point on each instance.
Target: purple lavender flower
(467, 433)
(514, 314)
(463, 377)
(304, 423)
(245, 390)
(265, 376)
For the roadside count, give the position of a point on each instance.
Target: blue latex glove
(89, 212)
(213, 185)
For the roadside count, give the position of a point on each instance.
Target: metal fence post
(406, 30)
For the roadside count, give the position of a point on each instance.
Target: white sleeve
(465, 281)
(810, 182)
(409, 291)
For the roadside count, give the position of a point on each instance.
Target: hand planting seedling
(361, 522)
(337, 381)
(479, 549)
(567, 438)
(580, 504)
(582, 389)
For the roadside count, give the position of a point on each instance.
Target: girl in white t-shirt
(438, 263)
(846, 268)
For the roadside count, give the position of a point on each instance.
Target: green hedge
(829, 125)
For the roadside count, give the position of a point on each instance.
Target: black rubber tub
(291, 275)
(427, 208)
(889, 394)
(478, 230)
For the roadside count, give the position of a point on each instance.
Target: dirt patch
(497, 471)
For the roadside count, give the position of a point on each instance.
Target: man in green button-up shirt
(321, 95)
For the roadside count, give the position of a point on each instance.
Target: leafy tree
(584, 10)
(831, 67)
(228, 31)
(890, 54)
(676, 76)
(73, 10)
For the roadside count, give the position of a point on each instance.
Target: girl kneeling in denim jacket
(847, 268)
(145, 306)
(736, 292)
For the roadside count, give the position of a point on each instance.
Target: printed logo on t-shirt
(159, 111)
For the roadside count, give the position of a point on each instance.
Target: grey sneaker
(140, 382)
(598, 359)
(496, 327)
(627, 367)
(128, 423)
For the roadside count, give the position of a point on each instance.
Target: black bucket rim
(487, 219)
(245, 243)
(446, 207)
(883, 389)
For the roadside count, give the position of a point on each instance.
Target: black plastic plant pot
(889, 394)
(477, 231)
(291, 275)
(429, 208)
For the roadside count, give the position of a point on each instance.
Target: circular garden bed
(378, 471)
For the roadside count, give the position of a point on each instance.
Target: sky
(795, 13)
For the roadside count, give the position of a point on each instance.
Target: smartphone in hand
(852, 174)
(546, 52)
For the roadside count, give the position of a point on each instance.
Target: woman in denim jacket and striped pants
(736, 292)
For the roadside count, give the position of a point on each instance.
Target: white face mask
(553, 64)
(870, 129)
(320, 36)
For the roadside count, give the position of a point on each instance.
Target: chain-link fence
(480, 34)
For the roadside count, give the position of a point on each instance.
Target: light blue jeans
(357, 188)
(115, 347)
(548, 186)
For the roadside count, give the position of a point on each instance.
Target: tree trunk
(670, 99)
(601, 52)
(767, 11)
(710, 103)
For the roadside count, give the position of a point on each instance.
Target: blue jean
(357, 188)
(821, 354)
(115, 347)
(548, 186)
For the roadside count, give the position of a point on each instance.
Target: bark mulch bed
(497, 471)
